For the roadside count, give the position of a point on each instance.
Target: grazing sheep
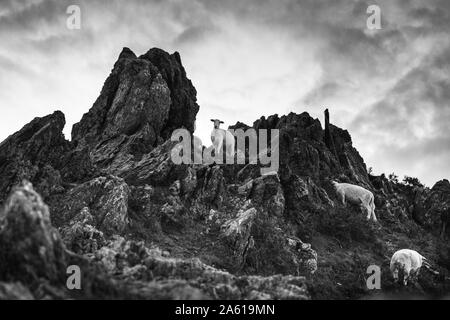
(218, 136)
(356, 195)
(408, 262)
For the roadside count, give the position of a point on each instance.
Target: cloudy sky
(247, 58)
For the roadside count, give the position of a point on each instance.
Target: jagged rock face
(29, 244)
(183, 108)
(303, 150)
(141, 227)
(434, 211)
(429, 208)
(81, 236)
(134, 98)
(237, 232)
(211, 188)
(143, 100)
(267, 194)
(349, 158)
(106, 199)
(34, 153)
(204, 282)
(155, 167)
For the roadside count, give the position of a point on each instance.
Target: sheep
(407, 261)
(218, 136)
(356, 195)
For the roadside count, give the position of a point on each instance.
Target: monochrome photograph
(226, 155)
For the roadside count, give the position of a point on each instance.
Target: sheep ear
(212, 120)
(221, 122)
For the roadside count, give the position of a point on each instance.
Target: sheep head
(217, 123)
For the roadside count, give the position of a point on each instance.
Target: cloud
(410, 123)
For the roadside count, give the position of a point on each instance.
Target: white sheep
(218, 136)
(356, 195)
(409, 262)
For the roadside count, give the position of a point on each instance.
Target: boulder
(30, 248)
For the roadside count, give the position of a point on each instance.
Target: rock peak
(127, 53)
(142, 102)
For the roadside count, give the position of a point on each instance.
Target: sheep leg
(374, 217)
(395, 274)
(406, 277)
(364, 208)
(372, 213)
(342, 198)
(416, 275)
(369, 213)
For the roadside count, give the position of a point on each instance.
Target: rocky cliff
(112, 202)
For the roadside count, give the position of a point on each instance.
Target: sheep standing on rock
(356, 195)
(408, 262)
(220, 136)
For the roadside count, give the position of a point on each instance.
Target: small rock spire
(328, 138)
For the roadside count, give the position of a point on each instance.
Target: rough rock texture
(29, 244)
(434, 210)
(237, 232)
(183, 107)
(304, 151)
(106, 199)
(81, 236)
(143, 100)
(14, 291)
(133, 259)
(142, 227)
(267, 193)
(34, 153)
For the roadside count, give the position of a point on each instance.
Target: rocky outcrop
(30, 248)
(432, 207)
(237, 232)
(183, 107)
(211, 187)
(34, 153)
(143, 100)
(307, 150)
(267, 194)
(134, 103)
(155, 167)
(81, 236)
(133, 259)
(140, 226)
(102, 201)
